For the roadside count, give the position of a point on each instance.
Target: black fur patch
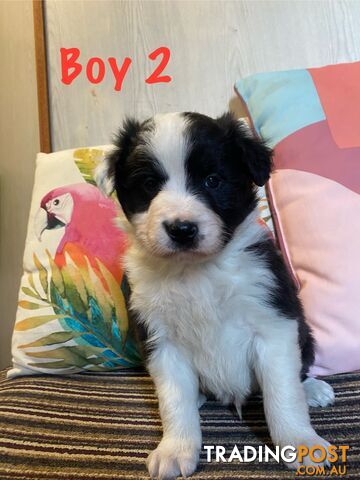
(137, 331)
(284, 298)
(139, 334)
(224, 147)
(132, 166)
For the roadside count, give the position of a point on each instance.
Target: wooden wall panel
(212, 45)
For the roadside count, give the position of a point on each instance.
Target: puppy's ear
(105, 172)
(253, 152)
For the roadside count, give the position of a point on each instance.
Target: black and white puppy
(211, 291)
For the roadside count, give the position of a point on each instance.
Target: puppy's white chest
(200, 312)
(222, 360)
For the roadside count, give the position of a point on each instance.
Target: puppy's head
(185, 181)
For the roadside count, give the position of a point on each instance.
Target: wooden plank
(212, 43)
(41, 75)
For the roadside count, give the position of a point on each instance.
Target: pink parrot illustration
(87, 217)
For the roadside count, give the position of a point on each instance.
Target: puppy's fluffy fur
(211, 294)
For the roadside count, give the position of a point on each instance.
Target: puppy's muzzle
(182, 233)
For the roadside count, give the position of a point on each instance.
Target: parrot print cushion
(72, 313)
(312, 120)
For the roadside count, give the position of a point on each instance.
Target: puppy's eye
(150, 184)
(212, 181)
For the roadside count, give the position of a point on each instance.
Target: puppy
(210, 291)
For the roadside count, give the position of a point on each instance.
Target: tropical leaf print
(264, 211)
(86, 160)
(90, 320)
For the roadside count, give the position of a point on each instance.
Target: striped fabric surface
(103, 427)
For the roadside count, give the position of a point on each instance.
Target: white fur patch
(102, 178)
(168, 144)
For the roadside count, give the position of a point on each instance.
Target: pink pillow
(312, 120)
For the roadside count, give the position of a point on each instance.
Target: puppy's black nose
(181, 232)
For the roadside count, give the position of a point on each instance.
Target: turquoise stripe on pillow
(280, 103)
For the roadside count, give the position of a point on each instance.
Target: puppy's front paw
(173, 457)
(309, 449)
(318, 393)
